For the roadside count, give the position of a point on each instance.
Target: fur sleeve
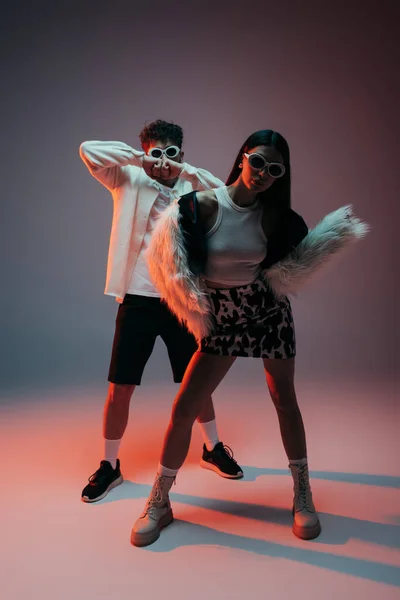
(169, 268)
(334, 234)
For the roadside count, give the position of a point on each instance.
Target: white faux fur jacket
(183, 291)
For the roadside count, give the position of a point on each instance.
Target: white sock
(210, 434)
(165, 472)
(111, 450)
(299, 462)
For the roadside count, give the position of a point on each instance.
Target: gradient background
(324, 74)
(324, 77)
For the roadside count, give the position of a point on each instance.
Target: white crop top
(236, 243)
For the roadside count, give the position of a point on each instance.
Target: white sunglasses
(170, 152)
(258, 162)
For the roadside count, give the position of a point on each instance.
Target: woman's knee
(186, 409)
(284, 397)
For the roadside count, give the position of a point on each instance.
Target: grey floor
(230, 539)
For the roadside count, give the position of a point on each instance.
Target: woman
(224, 260)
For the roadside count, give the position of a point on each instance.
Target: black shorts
(140, 319)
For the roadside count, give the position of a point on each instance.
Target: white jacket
(119, 168)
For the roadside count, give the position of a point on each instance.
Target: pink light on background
(325, 76)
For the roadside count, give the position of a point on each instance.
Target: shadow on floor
(251, 474)
(336, 530)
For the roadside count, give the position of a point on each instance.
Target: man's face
(171, 150)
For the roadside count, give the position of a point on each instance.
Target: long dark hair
(278, 195)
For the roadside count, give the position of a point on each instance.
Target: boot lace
(304, 500)
(155, 498)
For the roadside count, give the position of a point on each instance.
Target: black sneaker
(102, 481)
(221, 460)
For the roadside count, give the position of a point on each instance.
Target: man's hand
(161, 168)
(171, 169)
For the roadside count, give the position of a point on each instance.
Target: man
(142, 184)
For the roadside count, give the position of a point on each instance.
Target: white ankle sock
(165, 472)
(210, 434)
(299, 462)
(111, 449)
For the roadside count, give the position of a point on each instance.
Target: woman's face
(260, 179)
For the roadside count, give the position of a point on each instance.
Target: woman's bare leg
(203, 375)
(280, 379)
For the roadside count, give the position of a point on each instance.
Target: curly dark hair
(161, 131)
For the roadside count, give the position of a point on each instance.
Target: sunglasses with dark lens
(258, 162)
(170, 152)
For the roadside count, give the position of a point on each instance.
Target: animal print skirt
(250, 322)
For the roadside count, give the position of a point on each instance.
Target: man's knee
(120, 392)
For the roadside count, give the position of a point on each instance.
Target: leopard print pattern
(250, 322)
